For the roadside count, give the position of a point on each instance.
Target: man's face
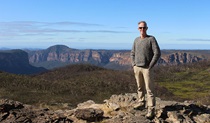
(142, 28)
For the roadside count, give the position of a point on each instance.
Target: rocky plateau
(117, 109)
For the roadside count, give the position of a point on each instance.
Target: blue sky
(103, 24)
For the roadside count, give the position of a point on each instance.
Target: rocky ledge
(117, 109)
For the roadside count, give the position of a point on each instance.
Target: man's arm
(132, 55)
(157, 53)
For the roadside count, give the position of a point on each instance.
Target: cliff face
(64, 54)
(109, 58)
(16, 61)
(61, 53)
(179, 58)
(13, 57)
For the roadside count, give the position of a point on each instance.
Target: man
(144, 55)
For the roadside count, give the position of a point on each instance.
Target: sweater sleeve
(156, 52)
(132, 55)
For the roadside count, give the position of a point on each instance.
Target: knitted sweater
(145, 52)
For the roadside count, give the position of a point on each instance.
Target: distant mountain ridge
(114, 59)
(61, 54)
(16, 61)
(23, 62)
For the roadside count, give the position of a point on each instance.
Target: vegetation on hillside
(72, 84)
(186, 81)
(81, 82)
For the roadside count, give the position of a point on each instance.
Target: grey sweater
(145, 52)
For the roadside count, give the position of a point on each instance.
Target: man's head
(142, 27)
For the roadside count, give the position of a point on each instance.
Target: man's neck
(143, 36)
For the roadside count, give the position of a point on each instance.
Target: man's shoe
(139, 106)
(150, 113)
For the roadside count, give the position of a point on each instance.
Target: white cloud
(193, 39)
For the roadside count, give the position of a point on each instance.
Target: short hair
(143, 22)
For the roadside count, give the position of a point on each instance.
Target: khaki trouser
(145, 83)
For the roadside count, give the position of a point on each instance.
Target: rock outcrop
(117, 109)
(179, 58)
(16, 61)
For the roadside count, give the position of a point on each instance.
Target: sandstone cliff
(179, 58)
(117, 109)
(106, 58)
(16, 61)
